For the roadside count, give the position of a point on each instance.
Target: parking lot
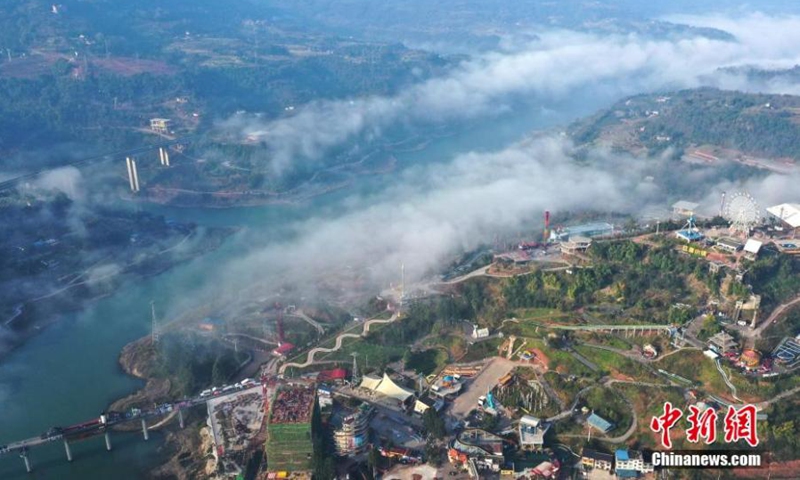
(480, 385)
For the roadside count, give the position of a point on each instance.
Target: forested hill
(750, 124)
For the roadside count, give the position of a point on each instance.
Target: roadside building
(575, 245)
(531, 432)
(594, 459)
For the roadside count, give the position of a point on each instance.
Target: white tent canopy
(386, 386)
(787, 212)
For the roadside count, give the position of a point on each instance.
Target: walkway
(314, 351)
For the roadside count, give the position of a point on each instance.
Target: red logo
(703, 425)
(665, 422)
(741, 425)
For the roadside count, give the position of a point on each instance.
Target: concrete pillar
(180, 417)
(66, 449)
(144, 430)
(24, 456)
(107, 435)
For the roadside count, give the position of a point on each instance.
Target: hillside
(741, 124)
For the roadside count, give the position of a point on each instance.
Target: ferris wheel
(742, 211)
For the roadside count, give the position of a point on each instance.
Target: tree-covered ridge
(753, 124)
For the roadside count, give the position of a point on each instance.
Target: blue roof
(622, 455)
(627, 473)
(599, 422)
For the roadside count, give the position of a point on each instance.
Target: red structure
(332, 375)
(546, 226)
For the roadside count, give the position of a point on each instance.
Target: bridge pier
(107, 435)
(27, 461)
(144, 430)
(180, 417)
(66, 449)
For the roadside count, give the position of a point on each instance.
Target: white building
(531, 432)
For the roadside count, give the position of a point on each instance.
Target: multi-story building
(594, 459)
(289, 444)
(351, 430)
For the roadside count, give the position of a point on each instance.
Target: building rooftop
(787, 212)
(599, 422)
(293, 404)
(752, 246)
(627, 473)
(622, 455)
(595, 455)
(488, 442)
(532, 430)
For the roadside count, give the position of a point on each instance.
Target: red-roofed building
(283, 349)
(337, 374)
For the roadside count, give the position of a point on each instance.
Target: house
(594, 459)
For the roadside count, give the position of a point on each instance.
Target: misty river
(69, 372)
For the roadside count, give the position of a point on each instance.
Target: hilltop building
(289, 445)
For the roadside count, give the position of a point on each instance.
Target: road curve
(338, 345)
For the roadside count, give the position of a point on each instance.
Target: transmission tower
(154, 333)
(355, 369)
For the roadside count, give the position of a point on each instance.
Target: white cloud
(553, 66)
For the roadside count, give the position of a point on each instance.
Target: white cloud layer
(553, 66)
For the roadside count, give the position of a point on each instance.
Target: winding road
(314, 351)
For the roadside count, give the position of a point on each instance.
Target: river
(69, 373)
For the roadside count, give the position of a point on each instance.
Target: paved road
(314, 351)
(779, 311)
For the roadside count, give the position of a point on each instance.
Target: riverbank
(188, 450)
(83, 287)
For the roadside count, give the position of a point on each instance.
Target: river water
(69, 373)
